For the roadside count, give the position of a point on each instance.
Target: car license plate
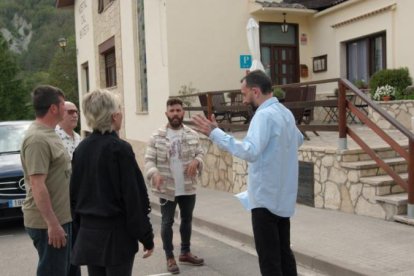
(16, 202)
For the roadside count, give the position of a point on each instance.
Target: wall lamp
(284, 25)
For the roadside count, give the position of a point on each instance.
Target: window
(103, 4)
(365, 56)
(107, 51)
(85, 77)
(110, 67)
(142, 97)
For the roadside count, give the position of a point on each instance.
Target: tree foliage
(14, 100)
(62, 71)
(43, 62)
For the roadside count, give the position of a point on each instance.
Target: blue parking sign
(245, 61)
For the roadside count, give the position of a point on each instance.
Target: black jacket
(109, 200)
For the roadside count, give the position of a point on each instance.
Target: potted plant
(279, 93)
(384, 93)
(361, 84)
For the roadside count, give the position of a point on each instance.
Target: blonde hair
(98, 107)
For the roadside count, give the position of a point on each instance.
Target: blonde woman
(108, 194)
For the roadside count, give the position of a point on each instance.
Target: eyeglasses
(72, 111)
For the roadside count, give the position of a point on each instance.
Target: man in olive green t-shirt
(47, 168)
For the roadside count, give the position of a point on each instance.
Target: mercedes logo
(22, 185)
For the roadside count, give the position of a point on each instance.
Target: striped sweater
(157, 160)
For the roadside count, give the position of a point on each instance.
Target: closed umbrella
(254, 44)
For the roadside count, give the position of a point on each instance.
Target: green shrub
(279, 93)
(406, 94)
(398, 78)
(361, 84)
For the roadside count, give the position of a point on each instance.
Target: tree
(15, 101)
(63, 71)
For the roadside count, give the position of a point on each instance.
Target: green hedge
(398, 78)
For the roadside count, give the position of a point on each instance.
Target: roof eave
(64, 3)
(260, 10)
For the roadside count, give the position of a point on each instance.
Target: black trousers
(272, 239)
(116, 270)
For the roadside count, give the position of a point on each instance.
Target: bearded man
(173, 164)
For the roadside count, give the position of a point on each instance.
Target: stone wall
(335, 187)
(222, 171)
(401, 110)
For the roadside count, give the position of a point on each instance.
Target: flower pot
(386, 98)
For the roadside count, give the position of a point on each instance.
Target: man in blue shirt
(271, 150)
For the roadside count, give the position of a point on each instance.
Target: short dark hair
(43, 96)
(173, 101)
(258, 78)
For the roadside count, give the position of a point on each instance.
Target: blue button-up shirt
(271, 150)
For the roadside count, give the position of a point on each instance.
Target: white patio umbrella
(254, 44)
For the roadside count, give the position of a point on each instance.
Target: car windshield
(11, 137)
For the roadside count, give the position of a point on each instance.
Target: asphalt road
(18, 256)
(222, 256)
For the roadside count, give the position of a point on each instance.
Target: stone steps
(371, 168)
(370, 174)
(389, 196)
(394, 204)
(359, 155)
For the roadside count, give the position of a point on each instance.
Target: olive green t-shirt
(42, 152)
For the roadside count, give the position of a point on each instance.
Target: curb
(304, 257)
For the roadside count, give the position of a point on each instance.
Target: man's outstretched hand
(204, 125)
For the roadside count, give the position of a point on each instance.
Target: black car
(12, 186)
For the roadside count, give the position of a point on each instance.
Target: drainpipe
(342, 142)
(410, 205)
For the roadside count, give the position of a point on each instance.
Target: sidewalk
(332, 242)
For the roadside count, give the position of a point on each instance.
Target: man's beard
(175, 122)
(253, 106)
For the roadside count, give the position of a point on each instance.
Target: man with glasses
(47, 170)
(65, 128)
(70, 139)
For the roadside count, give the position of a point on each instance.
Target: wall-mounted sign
(303, 39)
(245, 61)
(320, 64)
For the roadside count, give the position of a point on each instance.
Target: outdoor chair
(310, 95)
(294, 94)
(218, 102)
(239, 111)
(301, 94)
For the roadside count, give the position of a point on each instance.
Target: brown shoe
(172, 266)
(190, 259)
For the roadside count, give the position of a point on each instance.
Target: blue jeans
(186, 204)
(272, 239)
(52, 261)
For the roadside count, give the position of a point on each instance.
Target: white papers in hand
(244, 199)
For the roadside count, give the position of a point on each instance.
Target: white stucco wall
(200, 42)
(205, 40)
(85, 47)
(394, 21)
(139, 126)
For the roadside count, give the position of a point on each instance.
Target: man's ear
(53, 108)
(256, 91)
